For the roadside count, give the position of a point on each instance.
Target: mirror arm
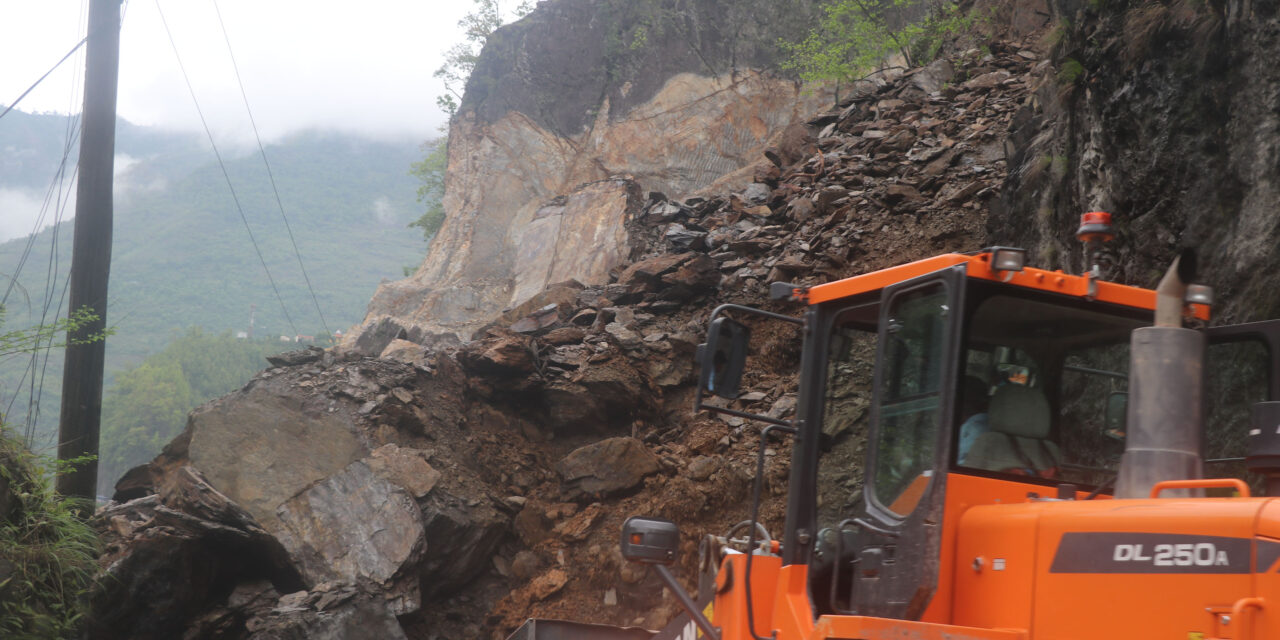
(718, 311)
(690, 607)
(744, 414)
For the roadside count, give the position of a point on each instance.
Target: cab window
(1041, 376)
(910, 397)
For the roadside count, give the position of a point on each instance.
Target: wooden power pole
(91, 253)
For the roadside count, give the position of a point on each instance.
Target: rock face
(353, 527)
(563, 104)
(1163, 115)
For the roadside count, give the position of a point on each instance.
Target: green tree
(430, 173)
(148, 405)
(856, 37)
(460, 59)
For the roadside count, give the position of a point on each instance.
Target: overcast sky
(363, 67)
(360, 66)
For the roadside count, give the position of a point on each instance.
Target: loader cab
(957, 389)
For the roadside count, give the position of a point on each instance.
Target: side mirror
(650, 540)
(653, 541)
(1117, 414)
(723, 356)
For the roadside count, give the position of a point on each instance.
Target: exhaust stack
(1166, 393)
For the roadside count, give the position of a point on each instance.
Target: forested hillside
(182, 257)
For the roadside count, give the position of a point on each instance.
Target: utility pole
(253, 310)
(91, 252)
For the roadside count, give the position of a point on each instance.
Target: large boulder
(262, 445)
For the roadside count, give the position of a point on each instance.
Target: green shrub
(854, 38)
(47, 551)
(1070, 72)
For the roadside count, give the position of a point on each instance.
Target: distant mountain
(181, 254)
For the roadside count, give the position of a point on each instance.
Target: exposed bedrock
(1165, 115)
(571, 116)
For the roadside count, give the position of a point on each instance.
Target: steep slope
(569, 412)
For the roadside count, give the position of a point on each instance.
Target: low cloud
(20, 212)
(384, 212)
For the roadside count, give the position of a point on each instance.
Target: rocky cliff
(1164, 114)
(570, 117)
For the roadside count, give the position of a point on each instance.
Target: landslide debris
(453, 490)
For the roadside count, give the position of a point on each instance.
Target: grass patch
(1070, 72)
(47, 551)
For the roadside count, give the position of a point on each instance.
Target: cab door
(1242, 367)
(898, 530)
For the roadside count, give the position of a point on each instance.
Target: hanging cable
(223, 166)
(271, 176)
(51, 293)
(46, 75)
(60, 187)
(54, 188)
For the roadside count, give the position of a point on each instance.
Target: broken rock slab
(405, 468)
(609, 466)
(296, 358)
(355, 527)
(163, 562)
(501, 353)
(406, 352)
(329, 612)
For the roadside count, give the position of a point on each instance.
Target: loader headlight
(1008, 258)
(1199, 294)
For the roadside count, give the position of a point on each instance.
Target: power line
(51, 275)
(270, 175)
(54, 187)
(223, 166)
(46, 75)
(63, 185)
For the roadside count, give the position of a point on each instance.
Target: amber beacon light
(1095, 226)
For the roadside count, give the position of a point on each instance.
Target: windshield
(1044, 388)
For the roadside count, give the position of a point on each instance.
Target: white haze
(363, 68)
(20, 209)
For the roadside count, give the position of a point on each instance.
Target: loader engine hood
(1169, 568)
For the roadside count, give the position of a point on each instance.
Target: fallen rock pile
(450, 490)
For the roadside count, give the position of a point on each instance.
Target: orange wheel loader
(1047, 457)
